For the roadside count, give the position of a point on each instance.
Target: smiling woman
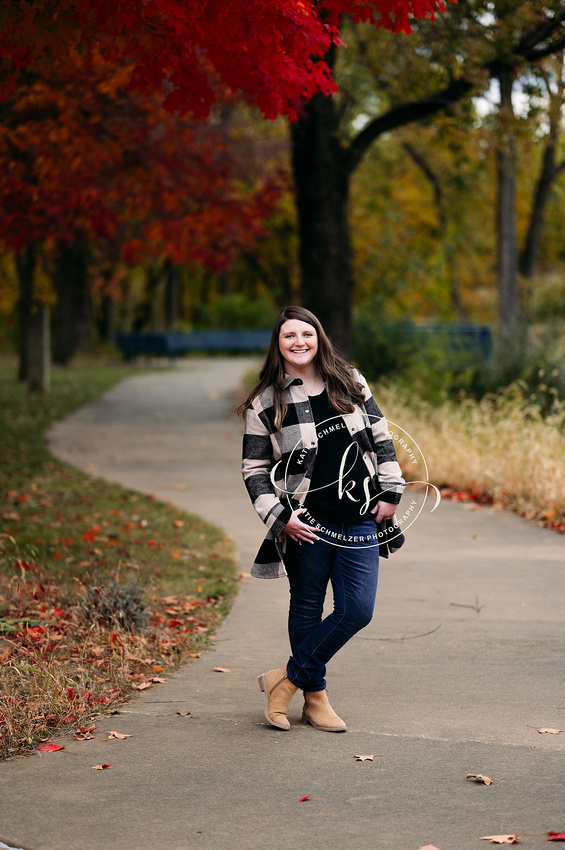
(321, 492)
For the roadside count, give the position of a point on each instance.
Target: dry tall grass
(501, 448)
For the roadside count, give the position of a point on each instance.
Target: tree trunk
(171, 296)
(508, 295)
(322, 192)
(145, 317)
(38, 349)
(25, 263)
(546, 177)
(548, 173)
(448, 252)
(70, 320)
(107, 319)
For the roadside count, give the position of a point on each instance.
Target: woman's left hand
(383, 510)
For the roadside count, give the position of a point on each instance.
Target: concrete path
(432, 689)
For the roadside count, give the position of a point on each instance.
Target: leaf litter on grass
(57, 667)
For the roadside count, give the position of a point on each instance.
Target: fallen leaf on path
(118, 735)
(157, 681)
(485, 780)
(363, 758)
(51, 748)
(542, 729)
(84, 733)
(303, 799)
(101, 766)
(142, 686)
(429, 847)
(182, 713)
(220, 670)
(555, 836)
(501, 839)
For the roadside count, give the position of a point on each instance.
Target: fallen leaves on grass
(485, 780)
(57, 668)
(501, 839)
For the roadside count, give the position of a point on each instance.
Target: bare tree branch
(398, 116)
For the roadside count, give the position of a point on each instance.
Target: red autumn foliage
(270, 49)
(83, 160)
(95, 142)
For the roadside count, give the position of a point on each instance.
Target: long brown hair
(343, 390)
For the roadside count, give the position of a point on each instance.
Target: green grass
(74, 524)
(62, 534)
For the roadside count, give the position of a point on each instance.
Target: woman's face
(298, 345)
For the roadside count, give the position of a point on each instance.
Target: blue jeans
(352, 567)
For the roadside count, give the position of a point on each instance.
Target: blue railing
(176, 343)
(466, 338)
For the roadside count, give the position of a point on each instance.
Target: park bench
(468, 339)
(176, 343)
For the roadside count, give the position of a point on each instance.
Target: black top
(331, 498)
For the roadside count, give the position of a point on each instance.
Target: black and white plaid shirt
(277, 465)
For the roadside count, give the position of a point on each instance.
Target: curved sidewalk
(464, 654)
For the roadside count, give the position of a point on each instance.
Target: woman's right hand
(299, 531)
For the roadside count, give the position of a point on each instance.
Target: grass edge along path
(103, 590)
(500, 450)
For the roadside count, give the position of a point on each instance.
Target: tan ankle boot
(279, 691)
(318, 712)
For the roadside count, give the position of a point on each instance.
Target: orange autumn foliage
(81, 159)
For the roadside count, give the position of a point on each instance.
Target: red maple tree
(84, 159)
(270, 49)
